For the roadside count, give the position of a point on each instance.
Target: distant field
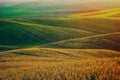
(100, 14)
(83, 46)
(37, 10)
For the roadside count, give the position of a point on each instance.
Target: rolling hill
(103, 41)
(21, 32)
(84, 46)
(16, 33)
(96, 25)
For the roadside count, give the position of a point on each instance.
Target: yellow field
(59, 64)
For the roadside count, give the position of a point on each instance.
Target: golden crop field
(17, 65)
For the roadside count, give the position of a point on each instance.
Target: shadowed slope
(3, 47)
(105, 41)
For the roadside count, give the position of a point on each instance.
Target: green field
(82, 46)
(34, 10)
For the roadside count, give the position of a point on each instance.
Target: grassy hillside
(104, 41)
(35, 32)
(26, 34)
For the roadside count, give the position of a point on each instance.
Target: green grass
(25, 34)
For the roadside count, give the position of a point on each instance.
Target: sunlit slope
(99, 14)
(62, 53)
(26, 34)
(96, 25)
(105, 41)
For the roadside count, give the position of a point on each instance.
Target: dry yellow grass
(99, 14)
(31, 67)
(101, 69)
